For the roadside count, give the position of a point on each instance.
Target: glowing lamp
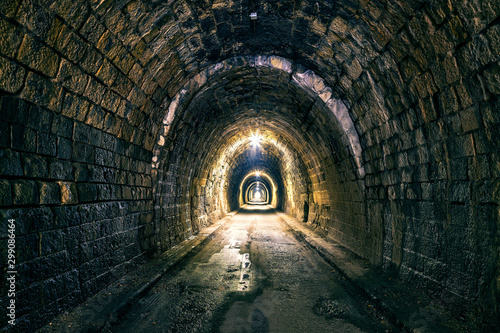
(255, 140)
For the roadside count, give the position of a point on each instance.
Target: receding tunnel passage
(257, 193)
(144, 143)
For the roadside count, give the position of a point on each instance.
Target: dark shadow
(306, 211)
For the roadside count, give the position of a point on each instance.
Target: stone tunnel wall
(427, 108)
(336, 194)
(74, 171)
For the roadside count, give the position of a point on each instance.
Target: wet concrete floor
(253, 276)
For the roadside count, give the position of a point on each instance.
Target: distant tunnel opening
(257, 193)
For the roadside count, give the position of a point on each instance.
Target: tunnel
(127, 127)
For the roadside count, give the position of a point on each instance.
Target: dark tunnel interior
(129, 126)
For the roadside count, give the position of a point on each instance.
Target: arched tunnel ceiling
(199, 33)
(177, 40)
(233, 101)
(350, 44)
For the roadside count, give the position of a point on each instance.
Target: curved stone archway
(303, 77)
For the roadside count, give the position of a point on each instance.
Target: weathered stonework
(125, 128)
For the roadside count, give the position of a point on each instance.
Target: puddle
(244, 283)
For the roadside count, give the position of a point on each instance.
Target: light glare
(255, 140)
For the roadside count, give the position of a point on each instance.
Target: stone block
(5, 193)
(71, 11)
(478, 167)
(492, 76)
(94, 91)
(70, 44)
(87, 192)
(10, 163)
(82, 152)
(60, 170)
(40, 119)
(49, 193)
(4, 139)
(477, 88)
(104, 192)
(428, 109)
(122, 86)
(34, 166)
(38, 56)
(136, 74)
(46, 144)
(69, 193)
(65, 216)
(23, 138)
(111, 101)
(485, 191)
(9, 8)
(25, 192)
(483, 52)
(460, 146)
(92, 29)
(107, 73)
(493, 35)
(14, 110)
(112, 124)
(62, 126)
(92, 61)
(72, 77)
(81, 133)
(95, 117)
(52, 241)
(11, 38)
(82, 173)
(75, 107)
(124, 63)
(42, 92)
(137, 97)
(27, 246)
(448, 101)
(11, 76)
(64, 148)
(458, 169)
(460, 191)
(446, 72)
(104, 157)
(108, 45)
(95, 137)
(456, 30)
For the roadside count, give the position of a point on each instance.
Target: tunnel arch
(258, 176)
(320, 109)
(305, 78)
(257, 193)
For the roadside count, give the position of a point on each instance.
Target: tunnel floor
(252, 277)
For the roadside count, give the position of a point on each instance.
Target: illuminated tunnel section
(256, 191)
(258, 114)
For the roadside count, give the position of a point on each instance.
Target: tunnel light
(257, 174)
(255, 140)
